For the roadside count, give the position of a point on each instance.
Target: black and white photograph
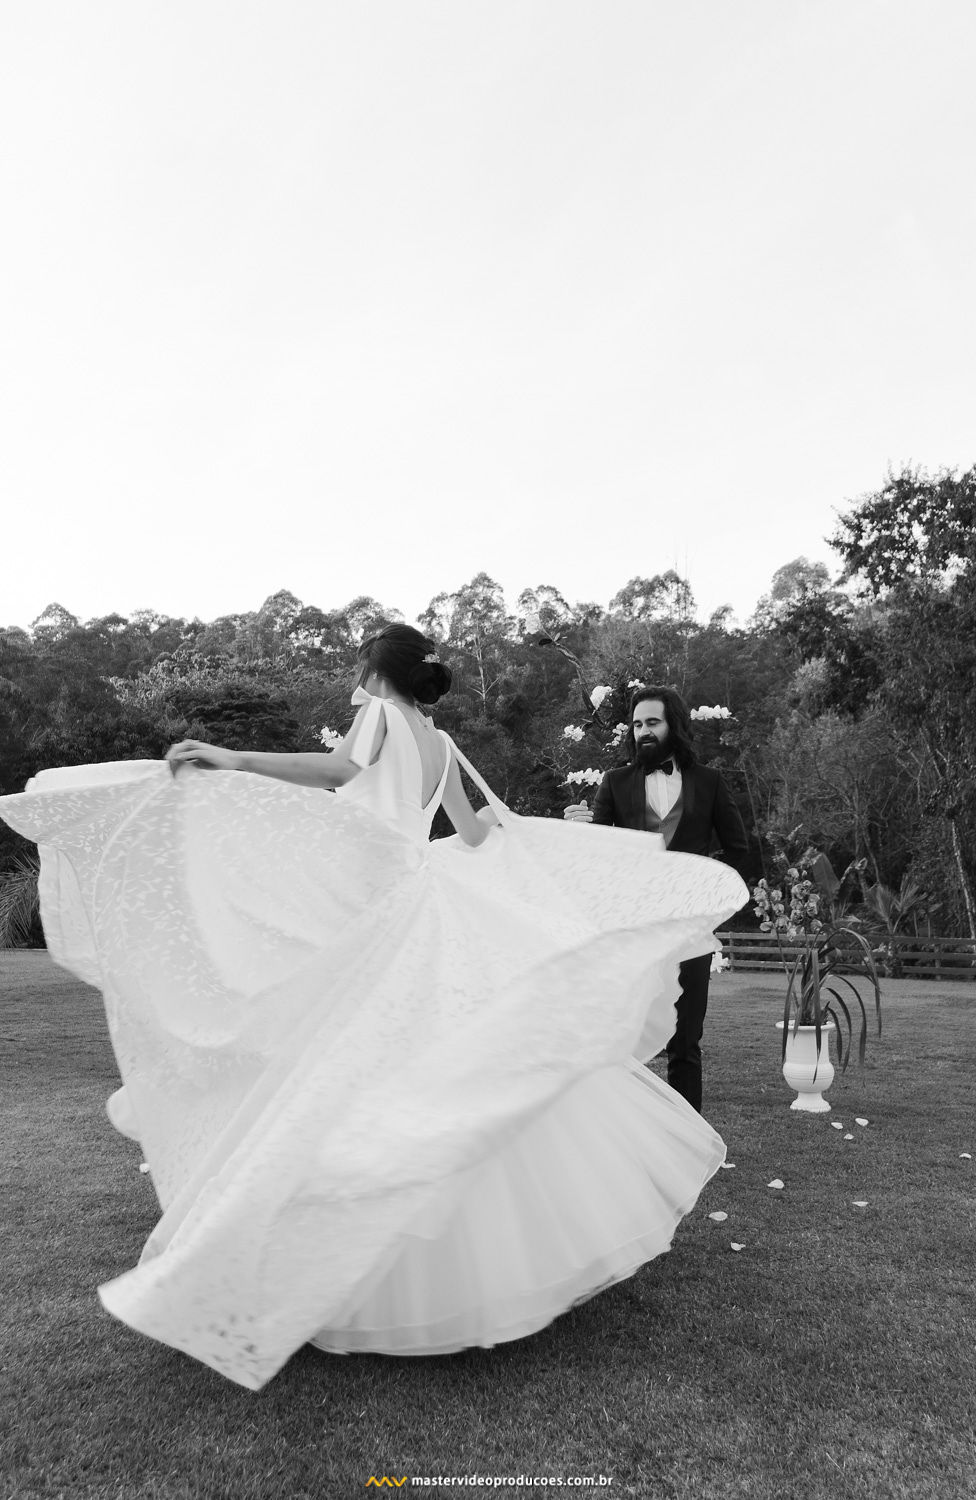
(487, 749)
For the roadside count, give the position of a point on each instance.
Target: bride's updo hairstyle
(408, 661)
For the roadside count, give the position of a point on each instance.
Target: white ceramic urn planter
(806, 1071)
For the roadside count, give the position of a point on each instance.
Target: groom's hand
(577, 813)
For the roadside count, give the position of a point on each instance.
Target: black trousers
(684, 1048)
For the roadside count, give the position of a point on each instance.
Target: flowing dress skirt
(390, 1094)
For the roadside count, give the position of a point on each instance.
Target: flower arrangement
(717, 711)
(818, 993)
(589, 777)
(330, 738)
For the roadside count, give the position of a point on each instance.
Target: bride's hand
(197, 753)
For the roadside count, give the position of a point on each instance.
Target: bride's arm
(306, 768)
(472, 827)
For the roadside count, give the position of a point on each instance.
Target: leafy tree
(913, 546)
(242, 720)
(916, 528)
(473, 622)
(54, 622)
(798, 580)
(665, 596)
(845, 640)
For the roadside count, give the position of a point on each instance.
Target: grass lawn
(834, 1356)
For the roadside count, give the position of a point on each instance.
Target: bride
(390, 1090)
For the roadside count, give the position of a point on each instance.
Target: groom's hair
(678, 720)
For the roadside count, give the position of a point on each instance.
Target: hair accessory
(431, 656)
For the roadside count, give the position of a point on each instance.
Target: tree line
(852, 699)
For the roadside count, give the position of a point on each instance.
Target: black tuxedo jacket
(707, 812)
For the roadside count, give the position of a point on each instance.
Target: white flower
(573, 732)
(635, 682)
(330, 738)
(619, 730)
(598, 694)
(589, 776)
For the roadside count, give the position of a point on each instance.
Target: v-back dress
(390, 1091)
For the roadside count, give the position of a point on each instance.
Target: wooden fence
(896, 957)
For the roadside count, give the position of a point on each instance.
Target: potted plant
(822, 995)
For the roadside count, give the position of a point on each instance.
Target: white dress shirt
(661, 791)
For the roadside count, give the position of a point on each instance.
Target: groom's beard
(651, 752)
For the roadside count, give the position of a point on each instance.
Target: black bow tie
(667, 766)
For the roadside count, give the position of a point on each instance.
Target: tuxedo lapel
(638, 793)
(687, 800)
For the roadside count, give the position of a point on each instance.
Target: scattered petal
(836, 1125)
(860, 1120)
(777, 1182)
(965, 1156)
(848, 1136)
(735, 1246)
(728, 1166)
(143, 1166)
(860, 1203)
(718, 1216)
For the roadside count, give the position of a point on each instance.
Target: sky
(366, 298)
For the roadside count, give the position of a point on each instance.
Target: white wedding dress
(389, 1090)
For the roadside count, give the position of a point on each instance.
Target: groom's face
(650, 723)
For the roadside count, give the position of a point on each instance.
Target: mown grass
(835, 1356)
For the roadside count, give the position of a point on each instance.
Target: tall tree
(913, 545)
(473, 622)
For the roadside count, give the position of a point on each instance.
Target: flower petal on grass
(727, 1166)
(836, 1125)
(860, 1203)
(860, 1120)
(735, 1246)
(143, 1166)
(718, 1216)
(777, 1182)
(848, 1136)
(965, 1156)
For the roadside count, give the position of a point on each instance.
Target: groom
(664, 790)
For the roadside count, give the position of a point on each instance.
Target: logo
(379, 1483)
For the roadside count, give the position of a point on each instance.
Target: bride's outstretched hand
(197, 753)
